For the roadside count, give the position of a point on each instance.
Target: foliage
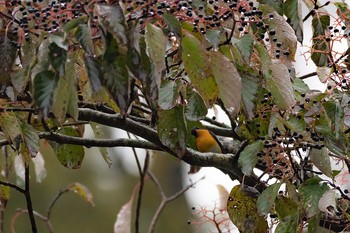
(154, 68)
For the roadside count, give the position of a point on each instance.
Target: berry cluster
(31, 18)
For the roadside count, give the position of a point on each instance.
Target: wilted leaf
(172, 129)
(267, 199)
(10, 126)
(242, 209)
(285, 207)
(4, 195)
(82, 192)
(280, 85)
(321, 160)
(283, 31)
(248, 157)
(123, 222)
(39, 167)
(223, 196)
(197, 66)
(19, 170)
(327, 203)
(228, 80)
(103, 150)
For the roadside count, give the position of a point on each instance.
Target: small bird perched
(206, 141)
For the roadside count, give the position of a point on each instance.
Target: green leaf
(156, 47)
(213, 37)
(285, 207)
(197, 66)
(250, 87)
(280, 85)
(172, 129)
(292, 9)
(276, 4)
(173, 24)
(94, 72)
(320, 25)
(267, 199)
(321, 160)
(228, 81)
(265, 59)
(58, 57)
(82, 191)
(248, 157)
(300, 86)
(29, 58)
(115, 73)
(113, 19)
(140, 66)
(335, 113)
(45, 83)
(195, 108)
(30, 138)
(288, 224)
(310, 192)
(70, 156)
(84, 37)
(65, 98)
(168, 94)
(4, 194)
(73, 23)
(245, 45)
(8, 53)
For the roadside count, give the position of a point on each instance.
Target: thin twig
(28, 199)
(61, 192)
(139, 197)
(8, 184)
(165, 199)
(19, 212)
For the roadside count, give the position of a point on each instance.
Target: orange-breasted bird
(206, 141)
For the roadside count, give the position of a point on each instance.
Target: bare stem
(165, 199)
(29, 200)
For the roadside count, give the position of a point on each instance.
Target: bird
(206, 141)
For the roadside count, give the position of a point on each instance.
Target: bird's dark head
(194, 131)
